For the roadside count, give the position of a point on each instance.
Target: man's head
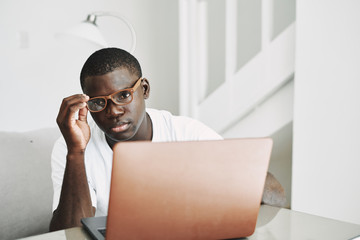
(105, 73)
(107, 60)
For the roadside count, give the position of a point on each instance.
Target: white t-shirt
(98, 154)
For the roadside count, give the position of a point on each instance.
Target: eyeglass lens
(120, 98)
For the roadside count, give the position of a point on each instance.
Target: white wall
(326, 150)
(38, 71)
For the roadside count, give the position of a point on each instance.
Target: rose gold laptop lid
(187, 190)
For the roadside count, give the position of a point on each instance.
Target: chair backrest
(25, 182)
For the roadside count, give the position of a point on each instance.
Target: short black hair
(107, 60)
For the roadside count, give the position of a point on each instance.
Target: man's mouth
(121, 127)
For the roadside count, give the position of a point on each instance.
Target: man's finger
(83, 114)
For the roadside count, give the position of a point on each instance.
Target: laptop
(184, 190)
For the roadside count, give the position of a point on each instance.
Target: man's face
(120, 122)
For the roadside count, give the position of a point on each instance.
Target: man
(115, 94)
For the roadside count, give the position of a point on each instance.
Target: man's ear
(146, 88)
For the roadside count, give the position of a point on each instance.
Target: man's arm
(75, 201)
(274, 193)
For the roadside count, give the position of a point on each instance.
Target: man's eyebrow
(133, 84)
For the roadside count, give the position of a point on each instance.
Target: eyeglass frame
(131, 90)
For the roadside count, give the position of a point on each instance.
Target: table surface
(273, 223)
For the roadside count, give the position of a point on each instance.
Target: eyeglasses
(122, 97)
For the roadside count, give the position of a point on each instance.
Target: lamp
(89, 30)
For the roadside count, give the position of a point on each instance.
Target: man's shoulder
(179, 127)
(164, 118)
(158, 113)
(164, 114)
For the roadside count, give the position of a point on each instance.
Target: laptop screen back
(187, 190)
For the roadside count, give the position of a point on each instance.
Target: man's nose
(114, 110)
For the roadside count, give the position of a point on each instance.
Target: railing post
(230, 39)
(267, 22)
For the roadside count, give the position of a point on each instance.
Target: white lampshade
(89, 32)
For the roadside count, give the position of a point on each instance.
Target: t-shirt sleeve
(58, 163)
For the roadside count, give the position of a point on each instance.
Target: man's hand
(75, 201)
(76, 132)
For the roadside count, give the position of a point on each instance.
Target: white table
(273, 223)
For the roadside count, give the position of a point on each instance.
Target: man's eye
(123, 95)
(99, 102)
